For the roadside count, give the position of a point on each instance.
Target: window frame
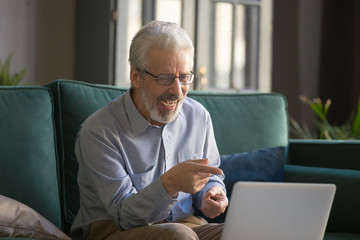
(198, 26)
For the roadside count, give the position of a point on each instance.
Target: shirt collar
(137, 122)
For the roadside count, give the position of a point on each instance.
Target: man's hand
(214, 202)
(189, 176)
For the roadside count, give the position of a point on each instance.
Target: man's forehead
(168, 58)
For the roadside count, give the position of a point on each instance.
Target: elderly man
(149, 158)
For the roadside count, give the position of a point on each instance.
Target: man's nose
(176, 87)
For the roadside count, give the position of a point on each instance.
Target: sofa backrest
(242, 122)
(245, 122)
(28, 159)
(74, 101)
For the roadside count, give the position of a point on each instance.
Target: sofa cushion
(245, 122)
(28, 160)
(264, 164)
(75, 101)
(18, 220)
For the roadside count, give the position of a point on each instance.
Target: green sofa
(38, 125)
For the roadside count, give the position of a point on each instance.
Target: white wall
(41, 33)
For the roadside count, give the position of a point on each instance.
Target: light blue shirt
(121, 158)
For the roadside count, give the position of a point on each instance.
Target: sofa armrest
(345, 212)
(324, 153)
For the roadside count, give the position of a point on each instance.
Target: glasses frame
(191, 74)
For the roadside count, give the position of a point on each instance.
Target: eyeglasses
(168, 79)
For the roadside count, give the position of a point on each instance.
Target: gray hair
(158, 34)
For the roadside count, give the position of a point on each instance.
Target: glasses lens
(167, 79)
(186, 78)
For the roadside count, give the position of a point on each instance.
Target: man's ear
(135, 77)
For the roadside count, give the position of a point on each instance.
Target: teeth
(169, 103)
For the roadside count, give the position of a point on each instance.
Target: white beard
(155, 115)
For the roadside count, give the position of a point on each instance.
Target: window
(129, 21)
(236, 36)
(232, 39)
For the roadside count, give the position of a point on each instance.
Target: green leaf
(349, 130)
(7, 64)
(318, 110)
(300, 131)
(318, 103)
(326, 107)
(5, 76)
(356, 122)
(18, 77)
(2, 74)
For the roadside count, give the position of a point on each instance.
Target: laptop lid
(278, 211)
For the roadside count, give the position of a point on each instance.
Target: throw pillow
(264, 164)
(20, 221)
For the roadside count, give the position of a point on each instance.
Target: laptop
(278, 211)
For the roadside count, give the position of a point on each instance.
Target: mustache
(172, 97)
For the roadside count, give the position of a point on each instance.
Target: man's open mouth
(168, 103)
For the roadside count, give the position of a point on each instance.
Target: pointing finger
(209, 169)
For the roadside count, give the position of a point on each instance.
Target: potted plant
(6, 78)
(350, 130)
(329, 145)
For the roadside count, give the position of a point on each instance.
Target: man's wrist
(169, 188)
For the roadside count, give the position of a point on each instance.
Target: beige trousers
(188, 228)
